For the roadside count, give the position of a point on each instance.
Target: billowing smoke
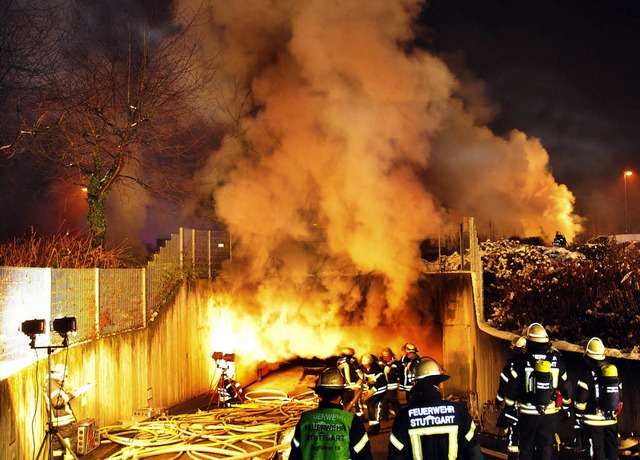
(348, 151)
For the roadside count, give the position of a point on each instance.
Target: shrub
(592, 289)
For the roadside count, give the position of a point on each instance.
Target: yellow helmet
(347, 351)
(410, 348)
(609, 370)
(595, 349)
(366, 359)
(429, 371)
(518, 344)
(537, 333)
(330, 379)
(387, 354)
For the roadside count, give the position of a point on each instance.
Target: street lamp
(626, 222)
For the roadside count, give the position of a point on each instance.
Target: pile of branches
(588, 289)
(62, 250)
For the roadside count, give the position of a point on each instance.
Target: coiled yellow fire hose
(257, 428)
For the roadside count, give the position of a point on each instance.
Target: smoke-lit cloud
(363, 141)
(357, 151)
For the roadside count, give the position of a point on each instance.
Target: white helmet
(595, 349)
(537, 333)
(59, 372)
(429, 372)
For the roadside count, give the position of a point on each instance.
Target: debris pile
(584, 290)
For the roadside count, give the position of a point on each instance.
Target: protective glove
(507, 418)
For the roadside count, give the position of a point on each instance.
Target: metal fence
(103, 301)
(112, 301)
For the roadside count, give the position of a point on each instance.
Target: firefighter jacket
(373, 378)
(330, 433)
(62, 414)
(591, 394)
(507, 375)
(434, 429)
(391, 371)
(539, 393)
(350, 367)
(408, 371)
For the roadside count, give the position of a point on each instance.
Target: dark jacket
(435, 425)
(586, 402)
(520, 387)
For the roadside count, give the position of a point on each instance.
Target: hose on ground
(259, 428)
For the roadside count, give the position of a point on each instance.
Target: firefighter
(431, 427)
(540, 390)
(559, 240)
(329, 432)
(349, 366)
(374, 389)
(409, 360)
(391, 368)
(597, 403)
(508, 418)
(63, 420)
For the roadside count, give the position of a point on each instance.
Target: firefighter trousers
(603, 441)
(537, 435)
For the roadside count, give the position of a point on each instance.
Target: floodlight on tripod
(64, 326)
(31, 328)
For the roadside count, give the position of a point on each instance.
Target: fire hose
(259, 428)
(354, 400)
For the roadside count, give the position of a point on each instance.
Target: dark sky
(563, 71)
(566, 72)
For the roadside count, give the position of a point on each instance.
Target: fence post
(144, 295)
(97, 300)
(461, 245)
(181, 245)
(209, 269)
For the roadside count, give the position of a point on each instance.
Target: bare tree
(120, 108)
(30, 45)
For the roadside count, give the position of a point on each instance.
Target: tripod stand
(46, 448)
(227, 389)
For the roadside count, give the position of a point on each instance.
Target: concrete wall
(165, 364)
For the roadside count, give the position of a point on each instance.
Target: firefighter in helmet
(409, 360)
(508, 418)
(329, 431)
(597, 403)
(63, 419)
(540, 390)
(430, 426)
(391, 368)
(350, 367)
(374, 388)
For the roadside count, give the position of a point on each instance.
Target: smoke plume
(355, 148)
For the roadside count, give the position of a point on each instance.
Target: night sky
(561, 71)
(565, 72)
